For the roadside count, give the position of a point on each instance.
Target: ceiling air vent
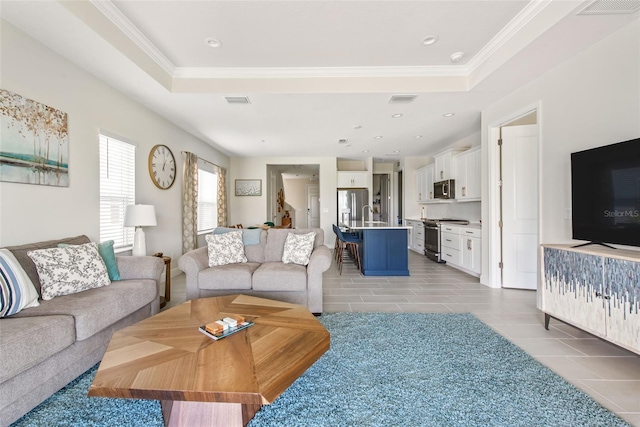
(402, 99)
(237, 100)
(610, 7)
(342, 141)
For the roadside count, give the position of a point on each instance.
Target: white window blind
(207, 200)
(117, 189)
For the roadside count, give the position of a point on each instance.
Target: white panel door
(520, 206)
(314, 206)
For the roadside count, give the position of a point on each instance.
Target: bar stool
(336, 246)
(350, 241)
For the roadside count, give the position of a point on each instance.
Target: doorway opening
(399, 200)
(294, 195)
(382, 206)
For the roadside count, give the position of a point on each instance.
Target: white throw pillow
(16, 289)
(64, 271)
(298, 248)
(225, 248)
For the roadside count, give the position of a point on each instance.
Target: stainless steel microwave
(444, 189)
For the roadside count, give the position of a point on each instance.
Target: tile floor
(608, 373)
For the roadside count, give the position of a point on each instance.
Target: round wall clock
(162, 166)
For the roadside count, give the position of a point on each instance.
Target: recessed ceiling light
(430, 39)
(378, 136)
(211, 42)
(396, 151)
(418, 136)
(457, 57)
(365, 151)
(448, 114)
(395, 116)
(357, 127)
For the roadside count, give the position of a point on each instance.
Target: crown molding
(530, 11)
(130, 30)
(317, 72)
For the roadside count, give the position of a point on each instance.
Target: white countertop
(378, 225)
(470, 225)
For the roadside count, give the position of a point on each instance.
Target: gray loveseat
(43, 348)
(264, 274)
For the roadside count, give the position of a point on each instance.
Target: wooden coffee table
(200, 381)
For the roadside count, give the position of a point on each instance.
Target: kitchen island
(383, 251)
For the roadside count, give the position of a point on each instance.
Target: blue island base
(384, 252)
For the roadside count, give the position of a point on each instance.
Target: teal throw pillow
(105, 249)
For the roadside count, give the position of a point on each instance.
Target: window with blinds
(117, 190)
(207, 200)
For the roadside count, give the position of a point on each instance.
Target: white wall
(250, 210)
(31, 213)
(592, 99)
(295, 194)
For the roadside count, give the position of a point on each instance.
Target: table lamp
(139, 216)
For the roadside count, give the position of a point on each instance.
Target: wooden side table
(167, 281)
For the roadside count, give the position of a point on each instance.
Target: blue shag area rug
(382, 369)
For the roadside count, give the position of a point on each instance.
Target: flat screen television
(605, 194)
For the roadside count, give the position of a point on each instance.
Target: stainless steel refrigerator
(350, 203)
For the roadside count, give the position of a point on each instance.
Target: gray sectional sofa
(43, 348)
(264, 274)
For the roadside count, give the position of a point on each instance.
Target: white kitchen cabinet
(416, 238)
(353, 179)
(450, 244)
(444, 167)
(429, 179)
(424, 183)
(470, 249)
(467, 174)
(461, 247)
(411, 224)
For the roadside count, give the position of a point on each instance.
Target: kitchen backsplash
(466, 210)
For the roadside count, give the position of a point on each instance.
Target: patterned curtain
(190, 203)
(222, 195)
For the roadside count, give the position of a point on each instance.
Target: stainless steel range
(432, 236)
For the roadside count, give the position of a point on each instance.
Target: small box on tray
(224, 327)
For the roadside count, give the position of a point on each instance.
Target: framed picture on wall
(34, 141)
(248, 187)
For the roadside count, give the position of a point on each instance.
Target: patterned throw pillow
(298, 248)
(108, 255)
(16, 289)
(225, 248)
(69, 270)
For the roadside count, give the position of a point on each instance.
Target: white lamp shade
(140, 216)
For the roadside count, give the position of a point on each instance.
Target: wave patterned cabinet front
(595, 289)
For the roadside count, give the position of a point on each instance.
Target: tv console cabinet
(594, 288)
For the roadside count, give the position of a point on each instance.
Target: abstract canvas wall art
(34, 142)
(248, 187)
